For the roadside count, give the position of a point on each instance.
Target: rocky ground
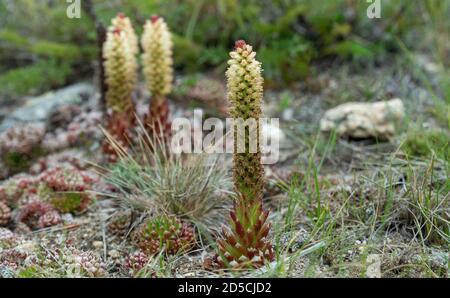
(344, 203)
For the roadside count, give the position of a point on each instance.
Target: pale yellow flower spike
(157, 58)
(244, 82)
(116, 52)
(123, 23)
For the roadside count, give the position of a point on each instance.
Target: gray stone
(38, 108)
(364, 120)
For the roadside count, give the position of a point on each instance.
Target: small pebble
(114, 254)
(97, 244)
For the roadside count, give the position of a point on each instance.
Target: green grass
(425, 142)
(290, 37)
(34, 78)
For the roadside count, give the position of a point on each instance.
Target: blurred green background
(41, 48)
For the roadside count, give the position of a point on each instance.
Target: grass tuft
(192, 187)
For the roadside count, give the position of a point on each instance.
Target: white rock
(114, 254)
(364, 120)
(97, 244)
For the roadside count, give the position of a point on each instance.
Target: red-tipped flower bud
(239, 44)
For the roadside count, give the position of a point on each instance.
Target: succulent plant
(12, 258)
(21, 228)
(8, 239)
(17, 189)
(19, 145)
(14, 255)
(68, 261)
(119, 66)
(51, 218)
(34, 215)
(157, 62)
(5, 214)
(120, 223)
(81, 131)
(164, 233)
(88, 263)
(68, 158)
(5, 234)
(65, 189)
(245, 245)
(135, 261)
(27, 198)
(62, 115)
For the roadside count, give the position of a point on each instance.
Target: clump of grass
(402, 206)
(189, 186)
(410, 196)
(427, 205)
(423, 142)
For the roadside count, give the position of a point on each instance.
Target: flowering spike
(157, 62)
(248, 247)
(154, 18)
(123, 23)
(119, 52)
